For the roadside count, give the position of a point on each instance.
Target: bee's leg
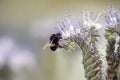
(60, 46)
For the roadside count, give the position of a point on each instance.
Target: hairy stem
(111, 58)
(91, 62)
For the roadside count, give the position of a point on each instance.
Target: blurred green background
(30, 23)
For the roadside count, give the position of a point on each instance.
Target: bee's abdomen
(52, 45)
(53, 48)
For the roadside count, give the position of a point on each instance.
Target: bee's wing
(45, 46)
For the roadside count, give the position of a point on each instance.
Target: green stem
(92, 63)
(118, 60)
(111, 60)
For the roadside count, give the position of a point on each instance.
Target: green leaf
(71, 47)
(110, 35)
(92, 73)
(90, 67)
(89, 61)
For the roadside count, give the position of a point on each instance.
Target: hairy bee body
(53, 46)
(54, 41)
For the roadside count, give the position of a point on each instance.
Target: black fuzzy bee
(54, 41)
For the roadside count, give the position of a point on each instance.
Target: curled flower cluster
(84, 33)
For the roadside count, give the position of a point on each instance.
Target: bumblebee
(54, 41)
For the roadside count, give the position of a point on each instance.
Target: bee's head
(59, 34)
